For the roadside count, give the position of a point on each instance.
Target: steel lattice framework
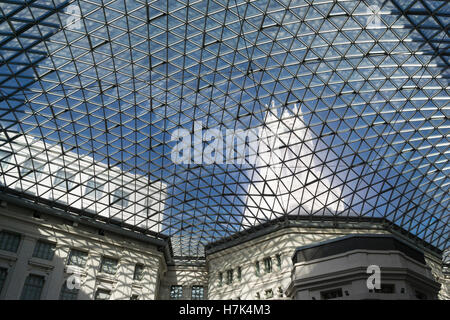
(359, 88)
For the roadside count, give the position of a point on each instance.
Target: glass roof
(348, 100)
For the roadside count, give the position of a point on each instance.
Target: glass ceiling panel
(341, 106)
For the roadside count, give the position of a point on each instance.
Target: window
(109, 265)
(386, 288)
(32, 288)
(268, 265)
(148, 207)
(257, 269)
(30, 166)
(269, 294)
(60, 180)
(9, 241)
(197, 293)
(68, 294)
(278, 257)
(5, 156)
(102, 294)
(420, 295)
(3, 274)
(120, 198)
(220, 279)
(138, 272)
(77, 258)
(176, 292)
(93, 190)
(331, 294)
(44, 250)
(229, 276)
(134, 297)
(239, 273)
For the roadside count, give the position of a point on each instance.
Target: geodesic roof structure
(353, 95)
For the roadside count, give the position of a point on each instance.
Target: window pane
(44, 250)
(32, 289)
(229, 276)
(278, 260)
(176, 292)
(197, 293)
(102, 294)
(120, 198)
(9, 241)
(61, 181)
(138, 272)
(68, 294)
(32, 169)
(3, 274)
(220, 279)
(5, 157)
(331, 294)
(77, 258)
(109, 265)
(268, 265)
(94, 190)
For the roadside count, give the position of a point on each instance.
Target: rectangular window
(32, 288)
(68, 294)
(386, 288)
(3, 274)
(62, 181)
(197, 293)
(257, 269)
(31, 168)
(9, 241)
(268, 265)
(269, 294)
(331, 294)
(109, 265)
(94, 190)
(278, 257)
(176, 292)
(102, 294)
(420, 295)
(220, 279)
(138, 272)
(239, 273)
(229, 276)
(120, 198)
(44, 250)
(148, 207)
(5, 157)
(77, 258)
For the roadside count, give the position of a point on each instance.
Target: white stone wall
(283, 242)
(67, 236)
(186, 276)
(348, 271)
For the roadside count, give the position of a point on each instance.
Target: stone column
(87, 290)
(57, 276)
